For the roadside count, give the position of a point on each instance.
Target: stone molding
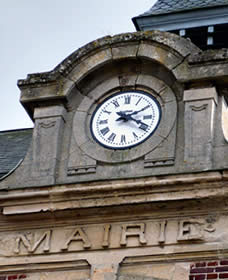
(155, 189)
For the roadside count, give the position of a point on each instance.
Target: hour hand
(120, 113)
(123, 116)
(124, 113)
(128, 117)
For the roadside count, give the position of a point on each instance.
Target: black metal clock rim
(131, 146)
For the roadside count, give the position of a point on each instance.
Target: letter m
(32, 245)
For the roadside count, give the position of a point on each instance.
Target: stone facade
(74, 209)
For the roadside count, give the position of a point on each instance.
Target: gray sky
(36, 35)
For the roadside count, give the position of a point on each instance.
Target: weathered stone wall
(76, 210)
(191, 136)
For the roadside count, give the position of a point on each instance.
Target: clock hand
(121, 113)
(137, 121)
(122, 116)
(136, 112)
(128, 117)
(125, 117)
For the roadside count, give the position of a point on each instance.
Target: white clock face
(125, 119)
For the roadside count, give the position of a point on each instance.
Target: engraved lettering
(190, 230)
(106, 237)
(133, 230)
(102, 236)
(77, 235)
(32, 246)
(162, 226)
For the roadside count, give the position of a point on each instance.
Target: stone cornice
(121, 192)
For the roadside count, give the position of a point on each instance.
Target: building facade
(126, 176)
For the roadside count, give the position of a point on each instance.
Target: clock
(125, 119)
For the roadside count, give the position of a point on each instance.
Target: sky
(36, 35)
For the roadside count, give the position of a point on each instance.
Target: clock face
(125, 119)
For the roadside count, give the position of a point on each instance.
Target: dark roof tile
(172, 6)
(13, 147)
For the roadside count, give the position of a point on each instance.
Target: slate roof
(172, 6)
(13, 147)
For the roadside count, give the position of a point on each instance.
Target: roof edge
(16, 129)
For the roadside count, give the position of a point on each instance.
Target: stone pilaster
(200, 107)
(48, 131)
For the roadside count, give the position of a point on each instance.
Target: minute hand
(137, 121)
(136, 112)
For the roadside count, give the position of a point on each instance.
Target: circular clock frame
(83, 139)
(125, 119)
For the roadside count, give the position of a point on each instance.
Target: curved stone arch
(174, 43)
(164, 48)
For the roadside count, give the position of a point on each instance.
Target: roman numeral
(123, 139)
(112, 137)
(115, 103)
(107, 112)
(148, 117)
(143, 126)
(103, 122)
(135, 135)
(127, 99)
(104, 131)
(138, 101)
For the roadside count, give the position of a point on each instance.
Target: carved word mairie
(108, 236)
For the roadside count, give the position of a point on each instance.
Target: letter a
(77, 235)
